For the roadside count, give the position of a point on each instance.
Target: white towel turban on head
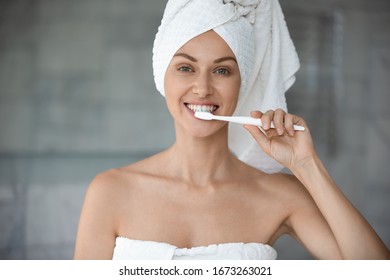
(257, 33)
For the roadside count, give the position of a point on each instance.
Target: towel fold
(257, 33)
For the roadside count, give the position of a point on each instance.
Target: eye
(222, 71)
(185, 69)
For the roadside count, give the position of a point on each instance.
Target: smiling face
(203, 76)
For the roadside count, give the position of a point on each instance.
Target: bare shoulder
(275, 187)
(290, 191)
(117, 181)
(286, 193)
(302, 213)
(283, 187)
(287, 185)
(118, 185)
(107, 187)
(98, 220)
(105, 195)
(107, 198)
(116, 193)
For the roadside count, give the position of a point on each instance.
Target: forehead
(207, 43)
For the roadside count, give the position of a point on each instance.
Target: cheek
(171, 102)
(173, 95)
(173, 84)
(232, 90)
(231, 98)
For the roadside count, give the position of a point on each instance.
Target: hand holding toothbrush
(289, 147)
(287, 140)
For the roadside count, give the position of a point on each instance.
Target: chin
(212, 128)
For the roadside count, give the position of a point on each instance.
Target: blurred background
(77, 97)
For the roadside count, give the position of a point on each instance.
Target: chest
(195, 219)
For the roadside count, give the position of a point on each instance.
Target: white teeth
(201, 108)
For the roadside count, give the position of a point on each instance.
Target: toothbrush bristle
(204, 115)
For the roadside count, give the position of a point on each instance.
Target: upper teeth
(202, 108)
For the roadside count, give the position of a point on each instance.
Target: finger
(266, 119)
(288, 124)
(256, 114)
(279, 121)
(296, 120)
(299, 121)
(258, 135)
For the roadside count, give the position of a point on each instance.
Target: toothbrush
(243, 120)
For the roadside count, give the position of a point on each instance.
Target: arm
(352, 234)
(96, 234)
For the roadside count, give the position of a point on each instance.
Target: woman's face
(203, 75)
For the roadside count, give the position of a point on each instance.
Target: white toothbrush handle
(245, 120)
(257, 122)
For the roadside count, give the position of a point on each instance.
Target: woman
(198, 200)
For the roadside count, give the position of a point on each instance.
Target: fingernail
(280, 131)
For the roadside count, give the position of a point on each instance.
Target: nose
(202, 85)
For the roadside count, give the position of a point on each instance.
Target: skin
(197, 193)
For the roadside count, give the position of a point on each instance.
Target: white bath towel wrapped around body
(257, 33)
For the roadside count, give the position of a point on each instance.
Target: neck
(201, 160)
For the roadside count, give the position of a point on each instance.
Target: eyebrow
(222, 59)
(193, 59)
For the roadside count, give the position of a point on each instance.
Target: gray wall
(77, 97)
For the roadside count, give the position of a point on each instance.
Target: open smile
(201, 108)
